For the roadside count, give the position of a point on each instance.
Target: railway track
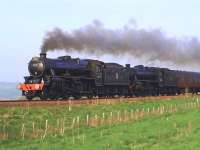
(27, 103)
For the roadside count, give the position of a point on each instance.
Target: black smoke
(149, 44)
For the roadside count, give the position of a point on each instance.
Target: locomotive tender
(66, 77)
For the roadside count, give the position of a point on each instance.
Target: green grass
(177, 130)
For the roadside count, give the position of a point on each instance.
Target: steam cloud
(151, 45)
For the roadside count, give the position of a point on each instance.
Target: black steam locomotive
(66, 77)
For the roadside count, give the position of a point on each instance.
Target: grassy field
(170, 124)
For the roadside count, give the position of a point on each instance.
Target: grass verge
(170, 130)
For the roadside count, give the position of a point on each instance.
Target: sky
(25, 22)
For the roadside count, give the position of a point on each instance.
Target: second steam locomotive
(66, 77)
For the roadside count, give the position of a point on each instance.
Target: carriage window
(117, 75)
(78, 61)
(98, 69)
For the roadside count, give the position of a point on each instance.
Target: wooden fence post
(73, 123)
(87, 119)
(63, 127)
(143, 112)
(111, 118)
(96, 120)
(131, 114)
(33, 128)
(46, 127)
(119, 117)
(23, 131)
(136, 114)
(78, 119)
(103, 115)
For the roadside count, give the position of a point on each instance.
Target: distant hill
(9, 91)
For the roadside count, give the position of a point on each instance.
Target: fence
(80, 123)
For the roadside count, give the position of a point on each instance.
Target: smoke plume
(149, 44)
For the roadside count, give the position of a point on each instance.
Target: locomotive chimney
(128, 65)
(43, 55)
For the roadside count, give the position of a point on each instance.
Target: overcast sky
(24, 23)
